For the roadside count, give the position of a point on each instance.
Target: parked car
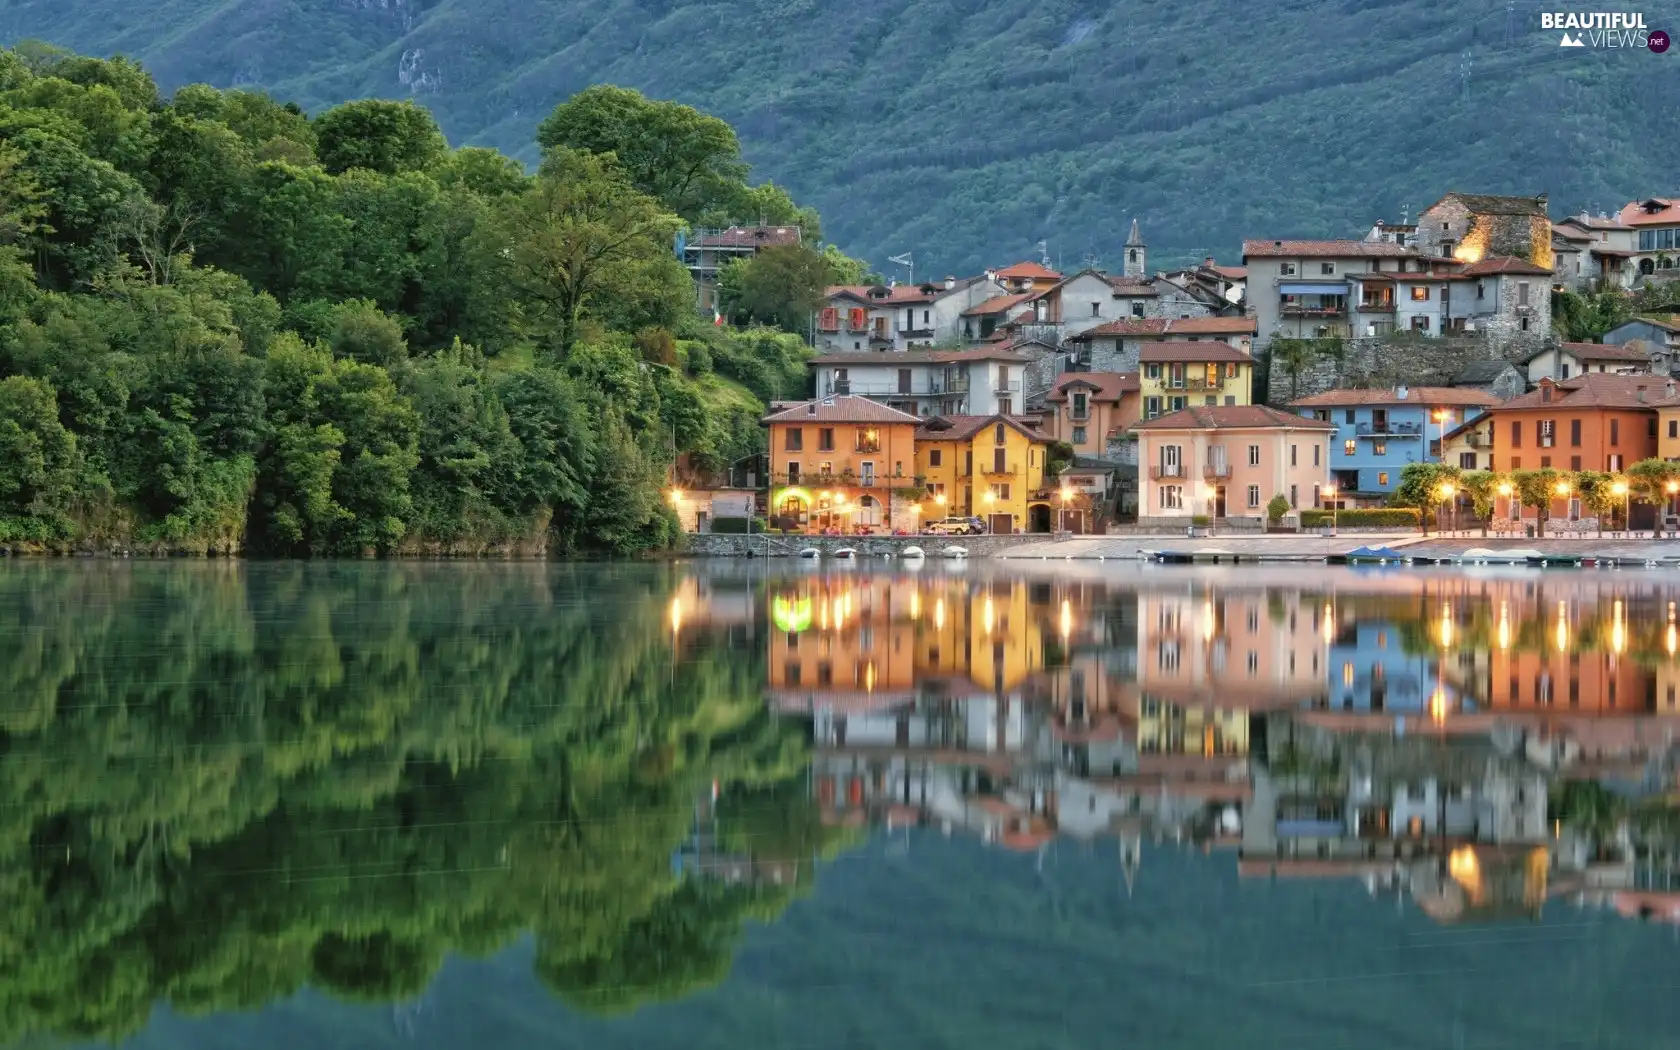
(957, 527)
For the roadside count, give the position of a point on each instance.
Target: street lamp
(1067, 497)
(1445, 492)
(1620, 488)
(1440, 417)
(1562, 489)
(1330, 501)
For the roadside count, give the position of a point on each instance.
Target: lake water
(817, 807)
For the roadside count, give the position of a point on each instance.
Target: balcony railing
(1008, 386)
(1390, 429)
(848, 479)
(1164, 471)
(1079, 415)
(1216, 471)
(953, 385)
(1296, 310)
(1009, 469)
(1376, 306)
(916, 333)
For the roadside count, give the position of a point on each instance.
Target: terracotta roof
(1495, 204)
(1188, 351)
(1606, 352)
(1633, 213)
(897, 293)
(841, 408)
(749, 237)
(1594, 390)
(961, 428)
(1109, 386)
(997, 304)
(919, 357)
(1494, 264)
(1133, 286)
(1429, 396)
(1230, 273)
(1166, 326)
(1337, 249)
(1570, 235)
(1231, 417)
(1030, 270)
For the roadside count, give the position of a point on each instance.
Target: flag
(717, 318)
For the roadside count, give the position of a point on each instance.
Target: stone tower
(1137, 254)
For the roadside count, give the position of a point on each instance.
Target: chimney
(1641, 394)
(950, 282)
(1400, 393)
(1277, 244)
(1540, 199)
(811, 409)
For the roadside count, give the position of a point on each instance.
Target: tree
(39, 460)
(1293, 356)
(1599, 497)
(781, 285)
(379, 135)
(362, 332)
(1586, 317)
(1537, 489)
(1421, 487)
(1276, 508)
(681, 157)
(1482, 486)
(563, 244)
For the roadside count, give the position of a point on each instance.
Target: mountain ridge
(966, 132)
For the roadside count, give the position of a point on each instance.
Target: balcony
(1008, 470)
(880, 335)
(1390, 429)
(1299, 310)
(916, 333)
(939, 384)
(846, 479)
(1007, 386)
(1216, 471)
(1166, 471)
(1079, 415)
(1376, 306)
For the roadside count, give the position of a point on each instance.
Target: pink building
(1227, 462)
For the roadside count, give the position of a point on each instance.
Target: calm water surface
(273, 805)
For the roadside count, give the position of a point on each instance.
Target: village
(1299, 381)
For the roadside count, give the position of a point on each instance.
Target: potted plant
(1275, 511)
(1201, 525)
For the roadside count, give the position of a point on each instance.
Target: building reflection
(1405, 730)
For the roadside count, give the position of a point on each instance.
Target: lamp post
(1505, 488)
(1440, 417)
(1563, 488)
(1330, 501)
(1671, 488)
(1620, 488)
(1067, 496)
(1445, 492)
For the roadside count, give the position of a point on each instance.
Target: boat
(846, 553)
(1368, 556)
(810, 552)
(955, 552)
(912, 552)
(1488, 556)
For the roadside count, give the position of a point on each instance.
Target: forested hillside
(967, 130)
(228, 326)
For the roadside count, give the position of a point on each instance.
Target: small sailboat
(810, 552)
(955, 552)
(846, 553)
(912, 553)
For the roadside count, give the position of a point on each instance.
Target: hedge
(737, 526)
(1379, 517)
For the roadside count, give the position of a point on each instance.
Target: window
(1574, 462)
(1000, 463)
(1547, 430)
(1674, 428)
(1137, 309)
(1350, 447)
(1615, 463)
(795, 439)
(1254, 455)
(1176, 403)
(1231, 369)
(1294, 451)
(790, 672)
(1382, 478)
(1294, 495)
(1287, 269)
(1545, 461)
(935, 457)
(1001, 490)
(1151, 407)
(825, 468)
(825, 439)
(1317, 452)
(1006, 406)
(1420, 294)
(1351, 415)
(1379, 448)
(1172, 497)
(1467, 461)
(793, 473)
(1574, 433)
(1254, 496)
(998, 434)
(1516, 433)
(1096, 309)
(1152, 370)
(1516, 462)
(1522, 293)
(1328, 267)
(1615, 432)
(1253, 664)
(1079, 435)
(1523, 324)
(1478, 289)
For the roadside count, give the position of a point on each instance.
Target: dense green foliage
(225, 325)
(1374, 517)
(225, 781)
(967, 131)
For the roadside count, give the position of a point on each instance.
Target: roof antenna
(1044, 253)
(904, 261)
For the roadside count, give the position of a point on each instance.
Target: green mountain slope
(965, 131)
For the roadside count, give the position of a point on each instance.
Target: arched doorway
(1039, 518)
(868, 513)
(792, 511)
(1647, 266)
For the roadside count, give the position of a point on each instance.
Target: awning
(1314, 288)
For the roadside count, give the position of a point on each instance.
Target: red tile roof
(1335, 249)
(1188, 351)
(1230, 273)
(1109, 386)
(749, 237)
(1030, 270)
(1633, 213)
(898, 293)
(841, 408)
(1594, 390)
(1495, 264)
(1606, 352)
(1430, 396)
(997, 304)
(961, 428)
(1167, 326)
(1231, 417)
(1132, 286)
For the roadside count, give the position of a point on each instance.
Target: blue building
(1378, 432)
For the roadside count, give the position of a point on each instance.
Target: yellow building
(1668, 428)
(1180, 374)
(990, 467)
(1469, 446)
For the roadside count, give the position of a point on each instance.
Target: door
(1219, 501)
(1170, 462)
(702, 522)
(869, 473)
(1000, 524)
(904, 380)
(1000, 461)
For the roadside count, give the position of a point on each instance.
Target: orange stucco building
(841, 464)
(1598, 422)
(1087, 409)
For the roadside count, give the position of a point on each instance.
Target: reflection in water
(225, 782)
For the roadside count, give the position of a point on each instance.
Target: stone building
(1137, 253)
(1470, 227)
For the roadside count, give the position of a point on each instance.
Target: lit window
(1420, 294)
(1350, 448)
(1347, 674)
(1382, 477)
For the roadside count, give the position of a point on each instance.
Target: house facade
(1469, 446)
(986, 466)
(1378, 432)
(1301, 289)
(1600, 421)
(1091, 411)
(1594, 253)
(1658, 336)
(984, 380)
(1656, 225)
(710, 250)
(1568, 360)
(1229, 462)
(841, 464)
(899, 316)
(1117, 346)
(1470, 227)
(1177, 374)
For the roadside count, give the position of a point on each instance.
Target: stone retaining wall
(714, 545)
(1386, 361)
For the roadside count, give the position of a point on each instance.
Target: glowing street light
(1330, 501)
(1445, 491)
(1619, 487)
